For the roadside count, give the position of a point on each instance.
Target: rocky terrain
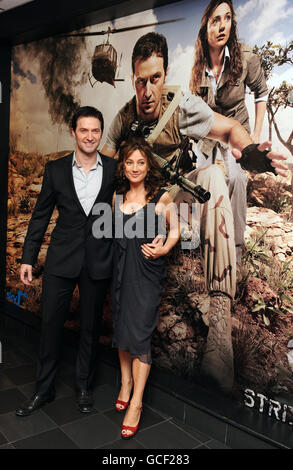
(262, 325)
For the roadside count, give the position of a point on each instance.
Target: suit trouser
(56, 297)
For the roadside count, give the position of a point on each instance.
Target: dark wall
(5, 58)
(40, 18)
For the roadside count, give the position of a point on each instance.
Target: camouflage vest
(170, 140)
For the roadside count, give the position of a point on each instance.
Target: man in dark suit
(73, 184)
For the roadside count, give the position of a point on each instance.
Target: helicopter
(104, 61)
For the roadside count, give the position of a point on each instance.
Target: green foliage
(256, 254)
(261, 307)
(282, 204)
(258, 262)
(282, 277)
(254, 259)
(272, 55)
(280, 200)
(281, 280)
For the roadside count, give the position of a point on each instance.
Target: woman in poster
(139, 270)
(222, 69)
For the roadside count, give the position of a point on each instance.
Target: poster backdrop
(51, 77)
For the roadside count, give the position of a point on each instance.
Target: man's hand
(275, 158)
(26, 274)
(152, 251)
(255, 138)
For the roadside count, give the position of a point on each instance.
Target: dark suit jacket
(72, 240)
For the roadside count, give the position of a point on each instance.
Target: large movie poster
(53, 77)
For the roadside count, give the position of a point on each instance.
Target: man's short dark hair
(149, 44)
(87, 111)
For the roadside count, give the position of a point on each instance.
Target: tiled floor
(59, 425)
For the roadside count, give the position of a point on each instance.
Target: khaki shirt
(230, 99)
(192, 118)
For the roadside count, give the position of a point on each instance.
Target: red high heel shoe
(123, 403)
(132, 429)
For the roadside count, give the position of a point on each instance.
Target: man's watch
(254, 160)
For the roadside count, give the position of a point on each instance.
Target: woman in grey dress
(140, 208)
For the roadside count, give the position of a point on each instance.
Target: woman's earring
(123, 176)
(147, 176)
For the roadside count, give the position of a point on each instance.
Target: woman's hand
(158, 248)
(153, 251)
(159, 240)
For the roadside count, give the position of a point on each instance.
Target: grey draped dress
(137, 283)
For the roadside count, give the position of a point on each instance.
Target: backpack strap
(166, 116)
